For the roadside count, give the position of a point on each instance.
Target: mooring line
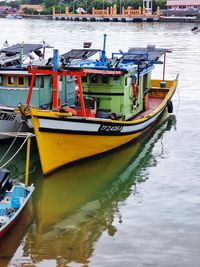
(15, 138)
(15, 152)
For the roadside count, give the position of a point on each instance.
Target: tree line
(87, 5)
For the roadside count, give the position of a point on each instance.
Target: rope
(11, 144)
(1, 167)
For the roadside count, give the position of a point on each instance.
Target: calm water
(138, 206)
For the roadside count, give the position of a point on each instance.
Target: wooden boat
(15, 82)
(116, 102)
(13, 198)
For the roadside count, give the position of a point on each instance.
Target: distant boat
(13, 16)
(15, 82)
(13, 198)
(195, 29)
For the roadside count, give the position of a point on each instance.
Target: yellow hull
(59, 149)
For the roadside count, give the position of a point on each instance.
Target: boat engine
(5, 182)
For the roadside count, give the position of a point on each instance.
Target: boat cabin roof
(144, 57)
(79, 54)
(139, 54)
(14, 55)
(18, 48)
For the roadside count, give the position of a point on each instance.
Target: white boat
(13, 16)
(10, 122)
(15, 82)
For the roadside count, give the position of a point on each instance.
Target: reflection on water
(12, 240)
(73, 207)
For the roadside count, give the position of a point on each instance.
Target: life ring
(135, 90)
(169, 106)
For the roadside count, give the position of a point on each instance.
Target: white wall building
(147, 5)
(183, 4)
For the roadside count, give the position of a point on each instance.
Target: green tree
(160, 3)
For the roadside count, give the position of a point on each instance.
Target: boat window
(105, 79)
(94, 79)
(10, 81)
(21, 81)
(1, 79)
(29, 81)
(84, 79)
(126, 81)
(42, 82)
(116, 79)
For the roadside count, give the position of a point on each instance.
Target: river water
(137, 206)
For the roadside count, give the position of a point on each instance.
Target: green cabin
(115, 93)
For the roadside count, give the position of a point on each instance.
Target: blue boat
(13, 198)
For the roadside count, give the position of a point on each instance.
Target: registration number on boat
(110, 128)
(7, 116)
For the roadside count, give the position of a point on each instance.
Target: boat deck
(153, 103)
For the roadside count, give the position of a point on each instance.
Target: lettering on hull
(5, 116)
(110, 128)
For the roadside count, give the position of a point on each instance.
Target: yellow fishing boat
(115, 102)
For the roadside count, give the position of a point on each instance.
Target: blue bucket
(15, 202)
(163, 84)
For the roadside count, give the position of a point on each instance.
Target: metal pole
(164, 63)
(80, 89)
(55, 77)
(74, 6)
(27, 159)
(103, 52)
(30, 89)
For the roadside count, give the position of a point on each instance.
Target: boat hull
(10, 123)
(63, 139)
(5, 228)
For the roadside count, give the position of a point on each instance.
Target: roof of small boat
(150, 53)
(19, 47)
(79, 54)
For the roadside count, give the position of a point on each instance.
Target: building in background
(183, 4)
(147, 5)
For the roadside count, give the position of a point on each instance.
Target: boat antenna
(103, 52)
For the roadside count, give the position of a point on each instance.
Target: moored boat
(15, 82)
(116, 102)
(13, 198)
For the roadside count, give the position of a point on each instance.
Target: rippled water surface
(138, 206)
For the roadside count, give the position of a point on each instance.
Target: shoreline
(93, 18)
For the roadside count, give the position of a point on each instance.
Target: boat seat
(3, 212)
(17, 192)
